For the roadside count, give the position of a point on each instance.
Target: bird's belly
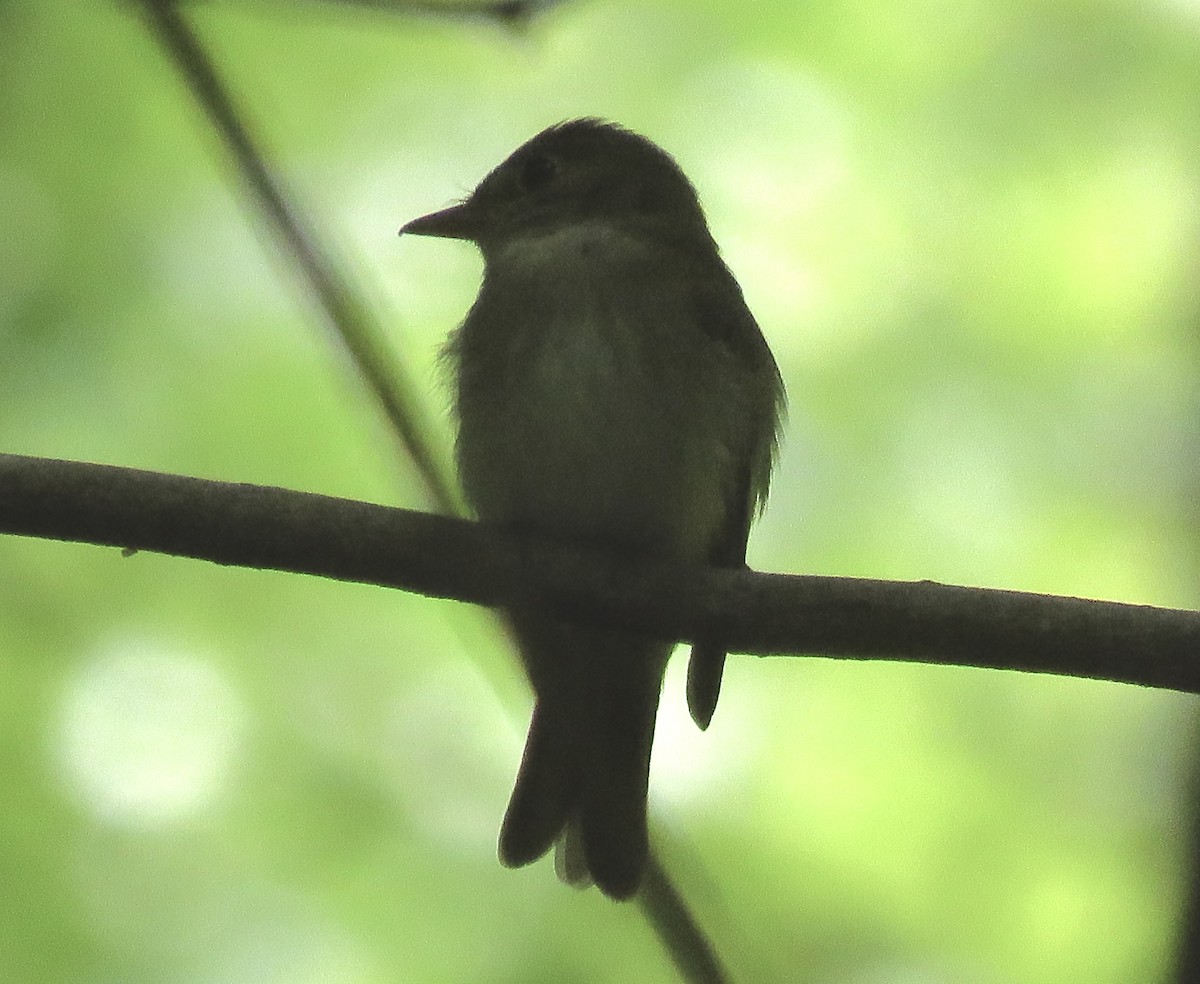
(583, 442)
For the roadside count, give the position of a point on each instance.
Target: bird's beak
(461, 221)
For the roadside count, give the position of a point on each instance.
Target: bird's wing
(720, 312)
(707, 663)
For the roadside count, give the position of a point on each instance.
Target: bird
(612, 389)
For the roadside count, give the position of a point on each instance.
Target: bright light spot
(148, 736)
(787, 192)
(454, 756)
(688, 766)
(958, 483)
(1124, 227)
(291, 952)
(1189, 8)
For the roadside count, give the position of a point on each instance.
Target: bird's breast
(578, 396)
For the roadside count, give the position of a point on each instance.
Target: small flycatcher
(613, 390)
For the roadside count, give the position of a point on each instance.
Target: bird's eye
(537, 171)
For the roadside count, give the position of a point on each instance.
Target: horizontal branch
(766, 614)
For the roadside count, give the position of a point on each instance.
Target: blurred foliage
(970, 232)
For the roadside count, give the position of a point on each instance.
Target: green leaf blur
(970, 232)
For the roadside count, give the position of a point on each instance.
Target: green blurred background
(969, 231)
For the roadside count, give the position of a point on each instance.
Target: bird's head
(579, 172)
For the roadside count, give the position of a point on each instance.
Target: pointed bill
(459, 221)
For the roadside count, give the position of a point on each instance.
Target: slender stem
(330, 286)
(667, 912)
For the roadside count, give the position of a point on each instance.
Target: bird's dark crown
(581, 170)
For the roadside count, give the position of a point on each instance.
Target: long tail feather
(545, 790)
(585, 770)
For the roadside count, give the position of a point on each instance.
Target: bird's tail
(584, 774)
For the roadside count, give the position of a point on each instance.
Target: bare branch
(766, 614)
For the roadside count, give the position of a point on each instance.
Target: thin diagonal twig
(690, 949)
(330, 286)
(667, 911)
